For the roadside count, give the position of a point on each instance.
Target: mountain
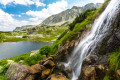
(67, 16)
(22, 28)
(64, 18)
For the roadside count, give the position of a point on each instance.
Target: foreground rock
(118, 74)
(59, 76)
(93, 72)
(21, 72)
(35, 72)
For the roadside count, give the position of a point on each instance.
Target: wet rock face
(93, 72)
(111, 42)
(64, 52)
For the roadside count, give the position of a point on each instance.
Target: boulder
(93, 72)
(38, 67)
(21, 72)
(118, 74)
(46, 59)
(49, 64)
(45, 73)
(59, 76)
(90, 72)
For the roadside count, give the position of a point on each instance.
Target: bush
(2, 78)
(4, 69)
(114, 65)
(3, 62)
(106, 78)
(54, 48)
(24, 36)
(33, 59)
(45, 50)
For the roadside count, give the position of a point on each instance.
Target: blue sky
(16, 13)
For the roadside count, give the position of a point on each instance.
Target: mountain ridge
(66, 17)
(63, 18)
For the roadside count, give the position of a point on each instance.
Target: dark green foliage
(81, 17)
(54, 48)
(3, 62)
(27, 59)
(107, 78)
(20, 57)
(114, 65)
(49, 50)
(25, 37)
(4, 69)
(2, 78)
(65, 32)
(33, 59)
(114, 61)
(45, 50)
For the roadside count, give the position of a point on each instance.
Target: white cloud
(81, 3)
(19, 16)
(38, 3)
(23, 2)
(98, 1)
(52, 9)
(8, 23)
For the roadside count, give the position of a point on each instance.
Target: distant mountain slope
(22, 28)
(66, 17)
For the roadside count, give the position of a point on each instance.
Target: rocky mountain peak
(66, 17)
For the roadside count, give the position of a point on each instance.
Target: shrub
(25, 36)
(45, 50)
(114, 65)
(33, 59)
(3, 62)
(54, 48)
(2, 78)
(106, 78)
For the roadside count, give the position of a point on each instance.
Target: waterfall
(100, 29)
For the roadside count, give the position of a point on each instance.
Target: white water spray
(99, 30)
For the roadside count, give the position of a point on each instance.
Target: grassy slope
(114, 65)
(50, 34)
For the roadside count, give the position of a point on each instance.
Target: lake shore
(11, 49)
(28, 41)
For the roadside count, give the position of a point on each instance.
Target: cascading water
(100, 29)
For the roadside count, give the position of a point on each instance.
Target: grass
(114, 65)
(4, 37)
(50, 34)
(106, 78)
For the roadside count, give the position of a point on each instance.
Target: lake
(10, 49)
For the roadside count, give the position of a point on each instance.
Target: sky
(17, 13)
